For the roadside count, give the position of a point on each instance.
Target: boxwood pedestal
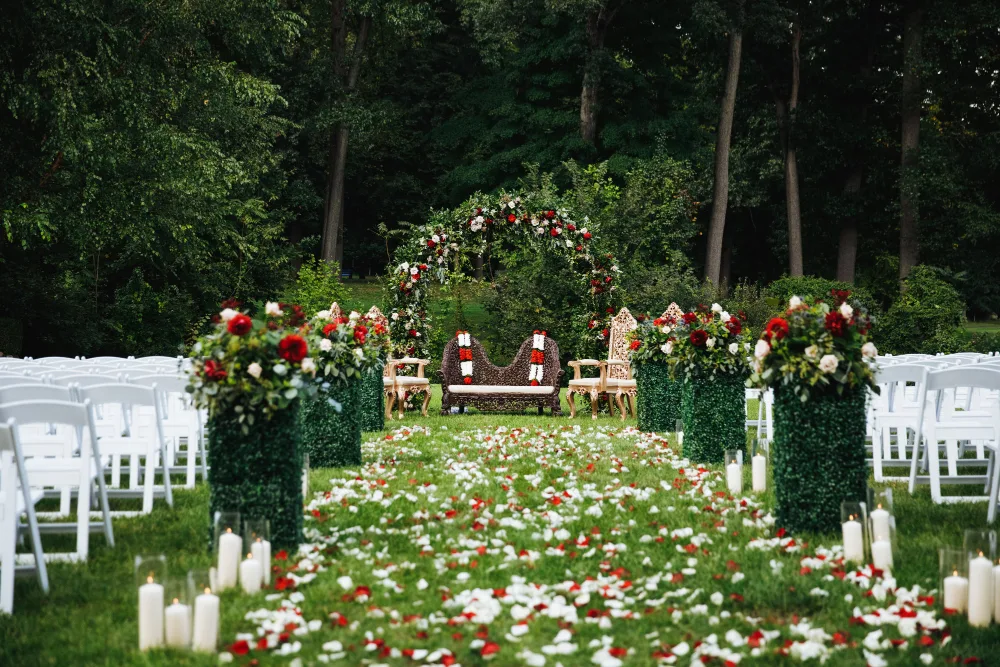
(258, 474)
(818, 458)
(331, 436)
(658, 397)
(373, 401)
(714, 417)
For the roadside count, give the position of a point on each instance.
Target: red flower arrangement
(293, 348)
(214, 371)
(836, 324)
(360, 333)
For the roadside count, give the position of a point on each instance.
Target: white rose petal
(308, 365)
(710, 343)
(716, 308)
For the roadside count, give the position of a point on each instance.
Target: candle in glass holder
(956, 592)
(734, 478)
(882, 554)
(230, 546)
(150, 614)
(759, 472)
(261, 550)
(250, 575)
(996, 593)
(980, 587)
(177, 620)
(881, 529)
(206, 622)
(854, 540)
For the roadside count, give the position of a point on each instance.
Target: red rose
(635, 345)
(586, 235)
(550, 215)
(293, 348)
(840, 295)
(467, 380)
(698, 337)
(690, 318)
(579, 248)
(554, 231)
(571, 227)
(734, 326)
(591, 324)
(240, 325)
(242, 647)
(609, 310)
(511, 218)
(415, 277)
(836, 324)
(607, 279)
(423, 267)
(214, 371)
(360, 331)
(329, 328)
(431, 243)
(776, 328)
(604, 332)
(413, 333)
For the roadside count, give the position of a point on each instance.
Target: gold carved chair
(615, 372)
(395, 386)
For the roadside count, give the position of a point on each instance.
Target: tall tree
(720, 187)
(912, 101)
(600, 14)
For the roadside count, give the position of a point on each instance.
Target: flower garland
(537, 368)
(465, 355)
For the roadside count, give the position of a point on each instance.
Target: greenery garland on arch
(440, 249)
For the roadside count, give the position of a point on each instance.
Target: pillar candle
(178, 625)
(250, 575)
(882, 554)
(880, 524)
(305, 485)
(854, 541)
(956, 592)
(980, 591)
(150, 615)
(230, 548)
(261, 550)
(759, 473)
(996, 593)
(206, 622)
(734, 478)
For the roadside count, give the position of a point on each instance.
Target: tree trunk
(720, 189)
(478, 263)
(597, 28)
(333, 205)
(791, 165)
(847, 251)
(912, 98)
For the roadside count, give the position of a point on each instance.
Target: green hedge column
(331, 437)
(658, 399)
(818, 458)
(373, 401)
(714, 417)
(258, 474)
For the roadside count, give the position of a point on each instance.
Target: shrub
(749, 301)
(925, 315)
(317, 286)
(962, 340)
(650, 289)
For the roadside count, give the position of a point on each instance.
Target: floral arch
(442, 248)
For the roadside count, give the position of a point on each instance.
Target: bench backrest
(484, 372)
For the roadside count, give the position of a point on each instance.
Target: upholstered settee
(500, 388)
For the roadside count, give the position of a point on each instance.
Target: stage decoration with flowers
(658, 400)
(465, 355)
(706, 350)
(346, 350)
(819, 361)
(536, 369)
(438, 250)
(252, 373)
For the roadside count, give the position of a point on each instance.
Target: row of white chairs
(937, 420)
(65, 433)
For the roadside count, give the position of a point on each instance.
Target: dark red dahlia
(698, 337)
(777, 328)
(690, 318)
(735, 326)
(836, 324)
(293, 348)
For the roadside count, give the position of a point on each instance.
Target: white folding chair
(893, 415)
(61, 471)
(182, 424)
(137, 443)
(939, 421)
(15, 380)
(16, 498)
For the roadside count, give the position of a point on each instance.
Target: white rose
(583, 231)
(414, 270)
(326, 344)
(479, 219)
(716, 308)
(665, 329)
(762, 349)
(395, 316)
(273, 309)
(405, 266)
(359, 352)
(323, 315)
(812, 351)
(254, 369)
(828, 363)
(725, 316)
(436, 238)
(869, 350)
(228, 314)
(667, 347)
(710, 343)
(308, 365)
(734, 348)
(846, 310)
(355, 315)
(569, 243)
(794, 302)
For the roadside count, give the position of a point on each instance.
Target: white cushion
(409, 380)
(584, 382)
(499, 389)
(625, 384)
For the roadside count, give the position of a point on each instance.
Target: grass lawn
(541, 540)
(985, 325)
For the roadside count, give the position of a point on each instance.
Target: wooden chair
(615, 373)
(395, 386)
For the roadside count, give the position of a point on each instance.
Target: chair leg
(427, 400)
(7, 543)
(991, 513)
(390, 400)
(572, 404)
(593, 404)
(401, 399)
(619, 399)
(631, 404)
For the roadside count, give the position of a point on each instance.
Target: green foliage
(658, 398)
(372, 401)
(11, 337)
(258, 472)
(330, 424)
(818, 458)
(317, 286)
(748, 300)
(651, 288)
(714, 417)
(961, 340)
(927, 308)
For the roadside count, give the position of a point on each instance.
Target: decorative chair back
(618, 349)
(375, 315)
(335, 311)
(673, 311)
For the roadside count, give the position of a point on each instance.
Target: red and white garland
(465, 355)
(537, 368)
